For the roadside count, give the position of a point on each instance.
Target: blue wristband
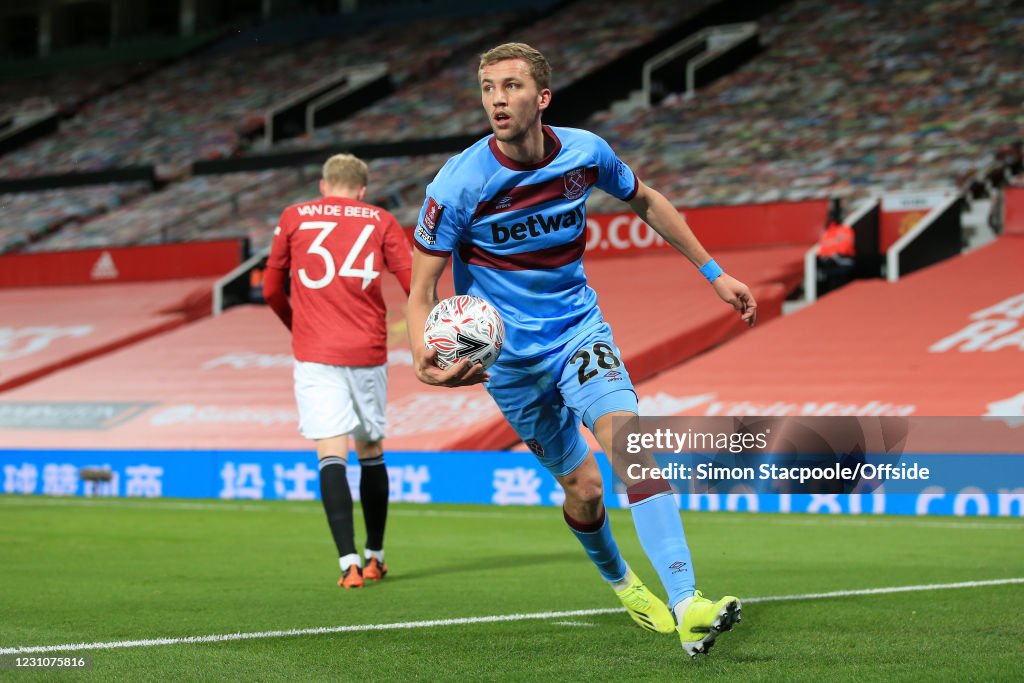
(711, 270)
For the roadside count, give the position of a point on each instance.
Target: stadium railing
(233, 288)
(369, 84)
(935, 238)
(699, 51)
(294, 115)
(21, 133)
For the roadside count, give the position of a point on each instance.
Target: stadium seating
(29, 217)
(245, 204)
(847, 99)
(820, 112)
(204, 106)
(757, 136)
(65, 91)
(576, 40)
(199, 208)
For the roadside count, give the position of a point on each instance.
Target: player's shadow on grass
(490, 563)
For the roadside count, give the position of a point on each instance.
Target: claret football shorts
(334, 400)
(546, 398)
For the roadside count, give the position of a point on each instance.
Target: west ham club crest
(575, 182)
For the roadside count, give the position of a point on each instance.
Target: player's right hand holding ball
(460, 374)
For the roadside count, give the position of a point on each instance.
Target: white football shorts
(334, 400)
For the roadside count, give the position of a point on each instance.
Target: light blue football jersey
(516, 233)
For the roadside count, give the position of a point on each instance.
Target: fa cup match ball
(464, 327)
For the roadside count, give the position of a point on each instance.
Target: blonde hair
(345, 170)
(540, 70)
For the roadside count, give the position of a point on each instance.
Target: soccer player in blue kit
(509, 213)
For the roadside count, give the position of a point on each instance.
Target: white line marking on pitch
(360, 628)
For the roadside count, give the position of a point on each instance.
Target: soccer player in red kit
(335, 249)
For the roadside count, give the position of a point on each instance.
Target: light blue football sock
(661, 534)
(600, 545)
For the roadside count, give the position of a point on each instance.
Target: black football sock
(373, 492)
(337, 500)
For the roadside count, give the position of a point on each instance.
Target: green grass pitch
(99, 571)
